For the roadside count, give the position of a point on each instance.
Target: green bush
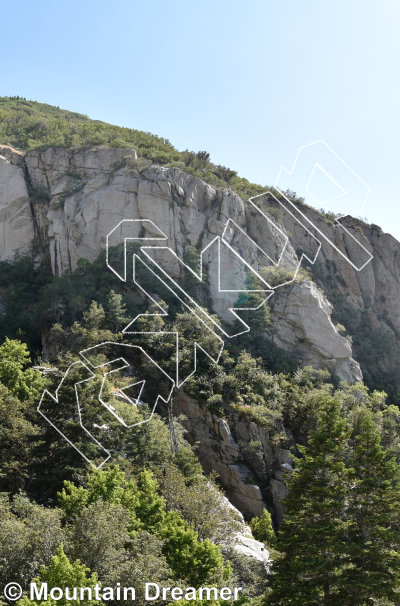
(263, 530)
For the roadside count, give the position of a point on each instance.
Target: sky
(250, 82)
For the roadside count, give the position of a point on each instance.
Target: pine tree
(373, 515)
(116, 316)
(23, 384)
(311, 537)
(262, 529)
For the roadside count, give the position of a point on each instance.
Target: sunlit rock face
(91, 190)
(16, 224)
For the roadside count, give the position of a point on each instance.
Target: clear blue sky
(250, 82)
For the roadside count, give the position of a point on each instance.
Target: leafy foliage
(24, 384)
(16, 432)
(28, 125)
(62, 573)
(20, 286)
(29, 537)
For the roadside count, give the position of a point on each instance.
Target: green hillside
(28, 125)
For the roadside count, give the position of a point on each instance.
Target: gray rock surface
(253, 549)
(219, 451)
(243, 541)
(91, 191)
(302, 318)
(16, 224)
(279, 491)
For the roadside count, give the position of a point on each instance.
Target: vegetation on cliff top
(29, 125)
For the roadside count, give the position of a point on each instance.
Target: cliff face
(90, 193)
(251, 477)
(16, 222)
(65, 202)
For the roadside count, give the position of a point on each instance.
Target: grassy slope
(29, 125)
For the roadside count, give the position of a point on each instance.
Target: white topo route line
(135, 229)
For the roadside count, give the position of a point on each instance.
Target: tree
(262, 529)
(250, 574)
(112, 517)
(224, 173)
(196, 562)
(150, 509)
(29, 536)
(14, 537)
(62, 573)
(191, 284)
(53, 459)
(92, 330)
(198, 160)
(24, 384)
(97, 537)
(255, 313)
(373, 515)
(201, 504)
(146, 508)
(116, 316)
(144, 562)
(111, 486)
(311, 537)
(16, 432)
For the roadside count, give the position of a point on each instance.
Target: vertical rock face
(219, 451)
(250, 468)
(16, 225)
(87, 200)
(301, 316)
(371, 294)
(91, 191)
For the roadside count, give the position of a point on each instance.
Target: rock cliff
(65, 202)
(251, 479)
(90, 192)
